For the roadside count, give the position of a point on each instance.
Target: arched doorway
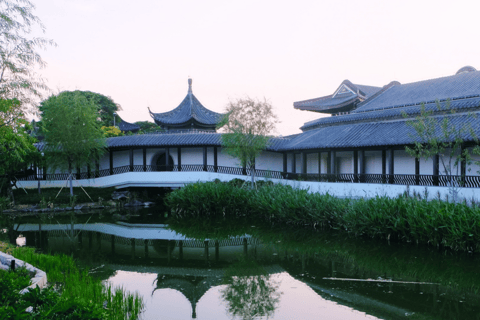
(158, 162)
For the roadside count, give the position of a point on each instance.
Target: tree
(247, 124)
(148, 127)
(437, 135)
(16, 145)
(18, 52)
(73, 137)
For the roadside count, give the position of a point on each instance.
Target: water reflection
(257, 272)
(250, 290)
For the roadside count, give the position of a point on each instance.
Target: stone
(119, 195)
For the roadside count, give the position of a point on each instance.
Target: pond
(244, 270)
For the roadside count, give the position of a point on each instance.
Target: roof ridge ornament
(190, 85)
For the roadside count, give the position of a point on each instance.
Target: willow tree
(73, 136)
(19, 57)
(247, 125)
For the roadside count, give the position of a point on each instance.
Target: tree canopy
(19, 55)
(73, 135)
(247, 125)
(147, 126)
(16, 145)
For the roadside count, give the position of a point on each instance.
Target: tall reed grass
(409, 219)
(78, 287)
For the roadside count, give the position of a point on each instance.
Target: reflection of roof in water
(128, 231)
(193, 283)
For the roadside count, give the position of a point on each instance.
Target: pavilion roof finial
(190, 85)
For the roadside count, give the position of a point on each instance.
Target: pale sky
(141, 53)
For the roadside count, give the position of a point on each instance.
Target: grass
(79, 289)
(406, 219)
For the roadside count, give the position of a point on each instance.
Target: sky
(141, 53)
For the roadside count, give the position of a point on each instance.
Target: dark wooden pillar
(329, 164)
(205, 158)
(384, 166)
(391, 163)
(319, 163)
(215, 159)
(131, 159)
(179, 158)
(303, 159)
(294, 163)
(355, 166)
(78, 174)
(167, 159)
(89, 171)
(44, 172)
(361, 165)
(97, 168)
(417, 171)
(144, 151)
(111, 162)
(285, 162)
(436, 169)
(333, 164)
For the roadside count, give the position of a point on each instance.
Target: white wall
(269, 161)
(403, 163)
(373, 162)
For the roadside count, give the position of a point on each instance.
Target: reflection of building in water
(137, 241)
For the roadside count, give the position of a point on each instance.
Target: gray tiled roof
(179, 139)
(127, 126)
(458, 86)
(190, 109)
(369, 134)
(343, 99)
(392, 113)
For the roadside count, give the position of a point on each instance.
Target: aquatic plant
(79, 290)
(409, 219)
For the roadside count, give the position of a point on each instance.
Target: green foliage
(73, 137)
(408, 219)
(18, 52)
(16, 145)
(436, 134)
(81, 296)
(247, 124)
(148, 127)
(112, 131)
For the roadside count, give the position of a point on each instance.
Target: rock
(78, 207)
(118, 195)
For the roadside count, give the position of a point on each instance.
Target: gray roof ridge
(378, 93)
(420, 103)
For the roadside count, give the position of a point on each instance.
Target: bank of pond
(407, 218)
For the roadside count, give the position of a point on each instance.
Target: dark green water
(233, 269)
